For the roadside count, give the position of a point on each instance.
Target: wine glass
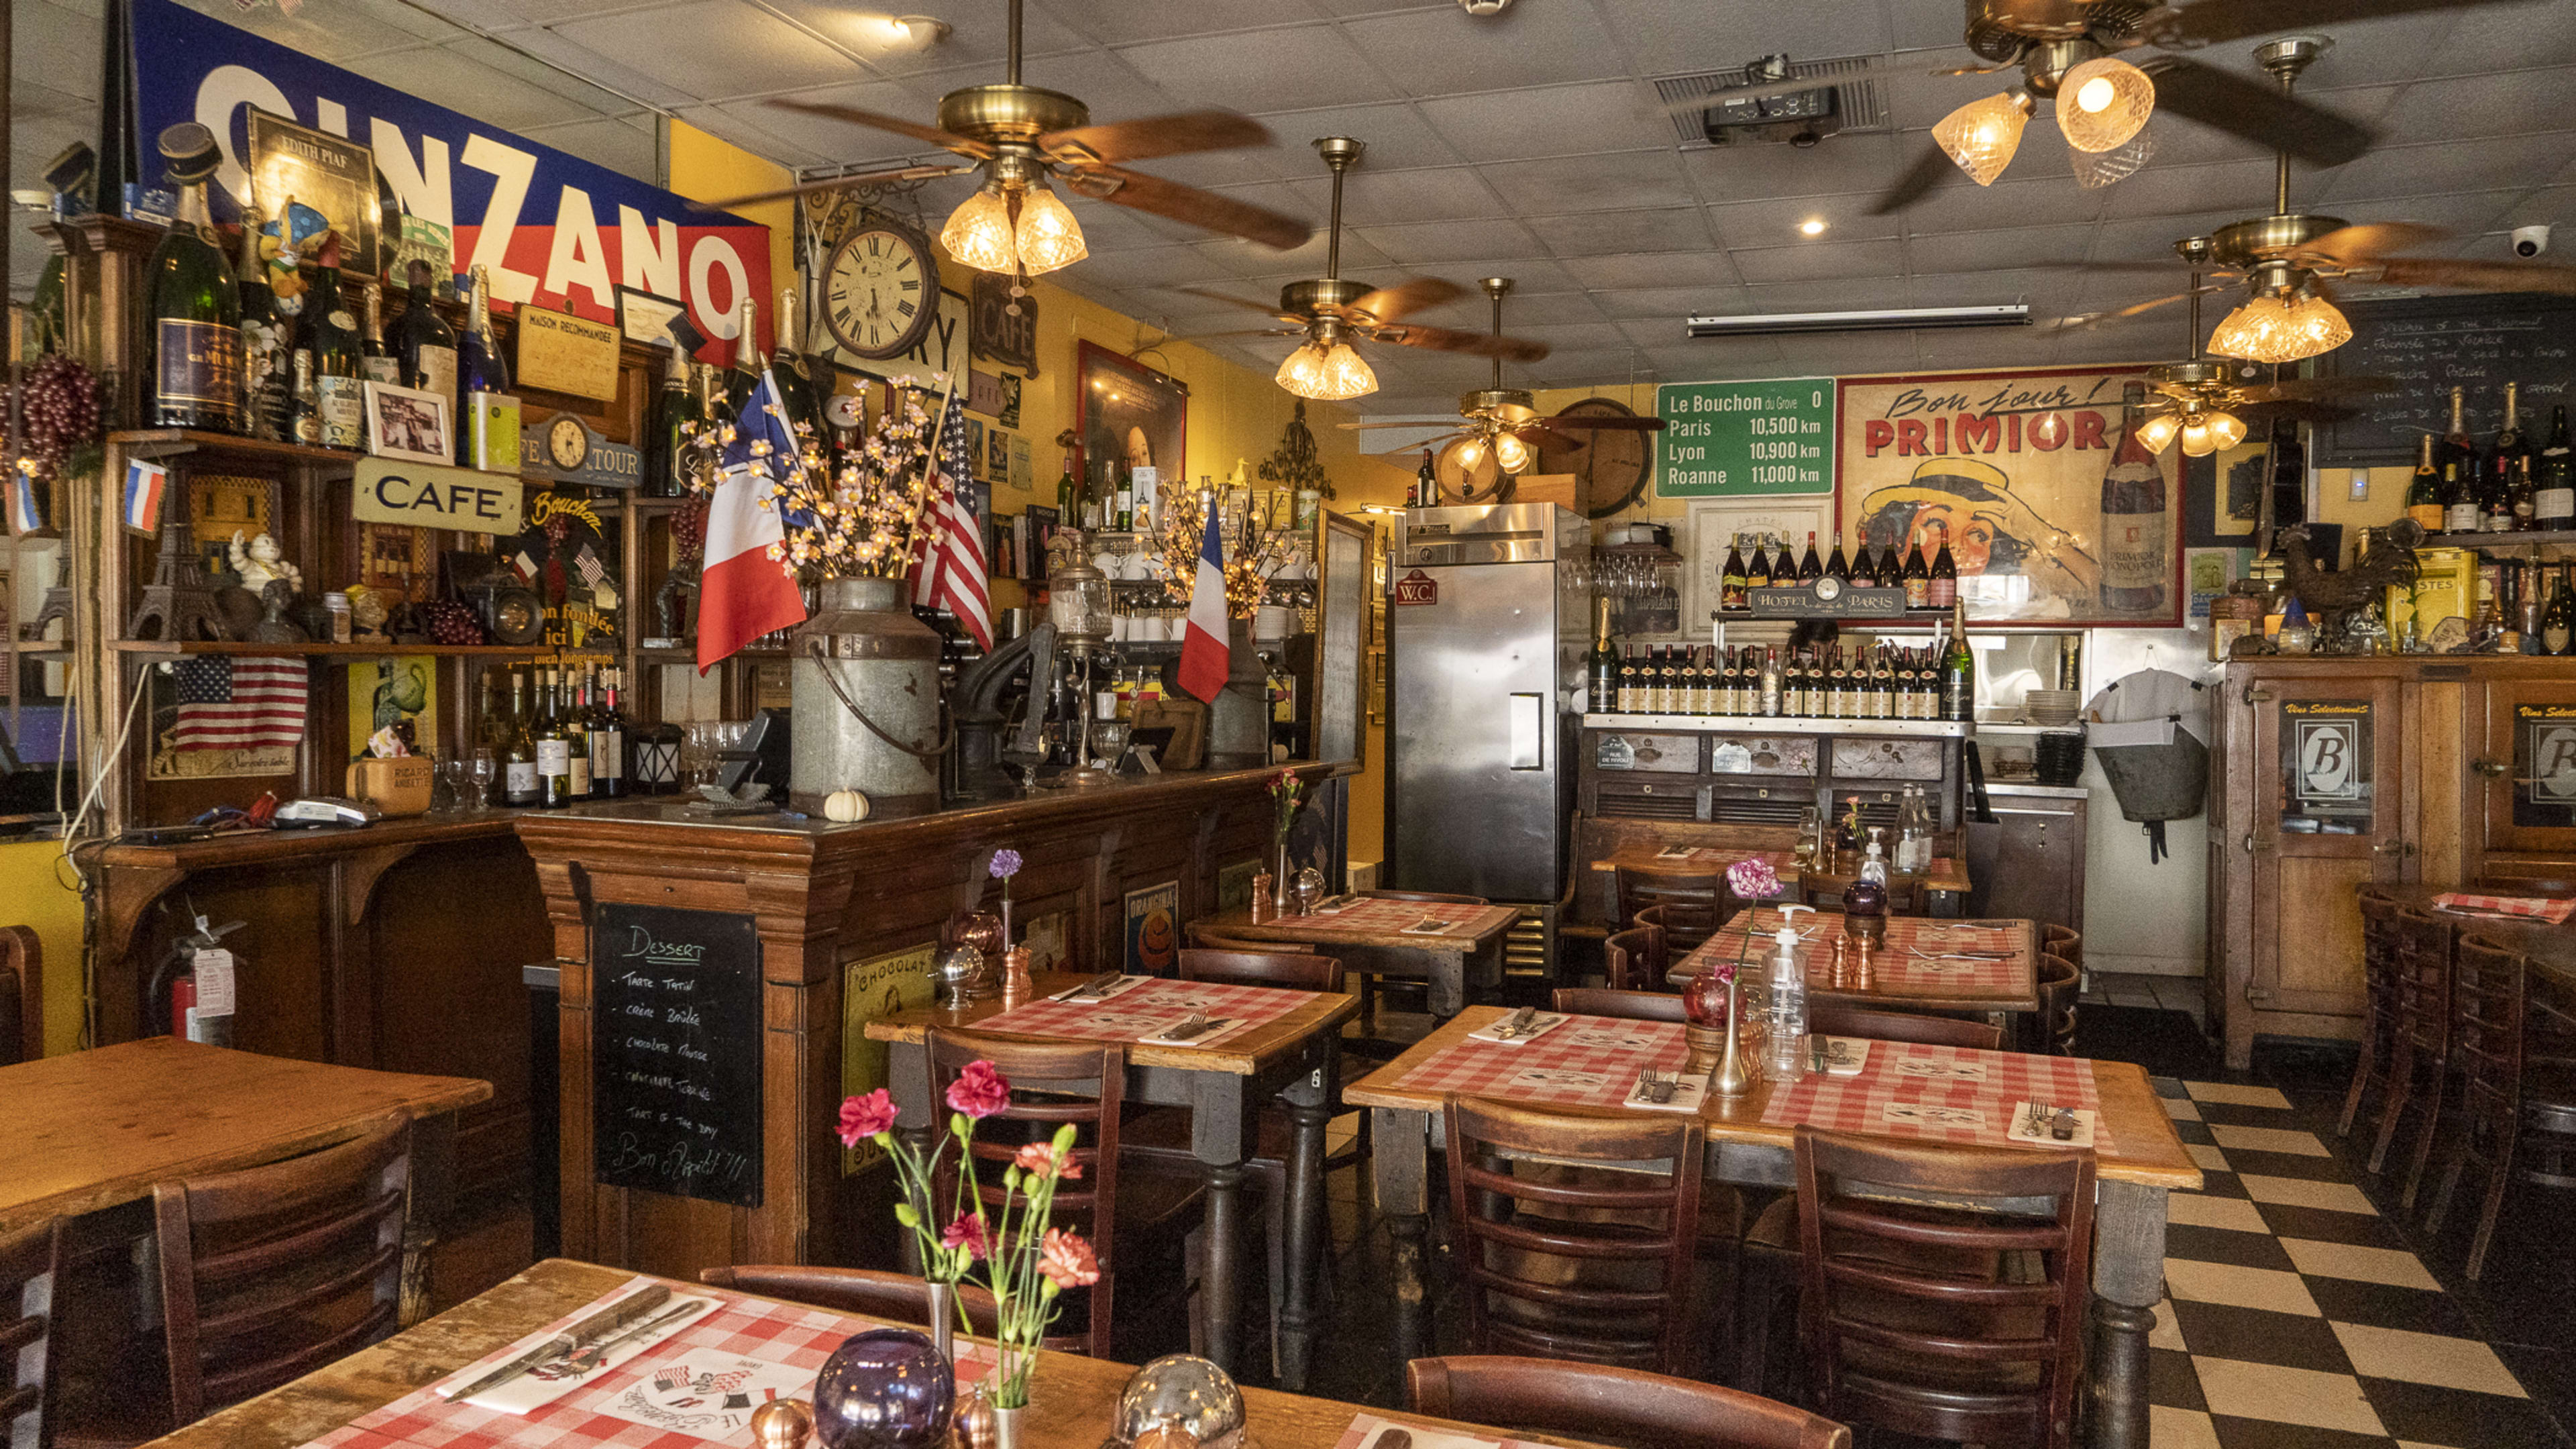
(480, 771)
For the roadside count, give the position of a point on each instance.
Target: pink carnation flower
(979, 1091)
(866, 1116)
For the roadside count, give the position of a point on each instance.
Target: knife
(1516, 1023)
(648, 1328)
(1190, 1029)
(607, 1320)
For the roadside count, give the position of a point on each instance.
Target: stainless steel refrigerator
(1486, 636)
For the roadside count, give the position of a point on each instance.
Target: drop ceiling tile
(579, 59)
(1917, 96)
(748, 129)
(2504, 38)
(1849, 353)
(1149, 267)
(2370, 52)
(1118, 229)
(2495, 163)
(1862, 164)
(2550, 206)
(1985, 251)
(1217, 168)
(1251, 259)
(333, 33)
(1569, 184)
(1103, 79)
(1842, 295)
(2014, 199)
(466, 85)
(1673, 229)
(2002, 347)
(1777, 223)
(1574, 337)
(844, 140)
(56, 47)
(1113, 22)
(2162, 190)
(1654, 313)
(1433, 194)
(2465, 107)
(1531, 276)
(1550, 121)
(1671, 327)
(714, 48)
(622, 146)
(1873, 259)
(2152, 239)
(1396, 137)
(1430, 243)
(1474, 312)
(1431, 52)
(1657, 269)
(1712, 359)
(980, 33)
(1673, 37)
(1261, 71)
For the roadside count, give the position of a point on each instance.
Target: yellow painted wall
(32, 895)
(704, 168)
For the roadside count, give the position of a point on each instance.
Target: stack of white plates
(2052, 706)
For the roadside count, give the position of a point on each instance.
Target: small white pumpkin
(842, 807)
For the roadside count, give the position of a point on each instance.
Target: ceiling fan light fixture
(2104, 102)
(1327, 374)
(2097, 169)
(2197, 441)
(2226, 429)
(2157, 433)
(2277, 328)
(1982, 135)
(1047, 236)
(978, 233)
(1511, 453)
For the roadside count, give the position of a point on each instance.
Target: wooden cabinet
(2029, 863)
(2330, 773)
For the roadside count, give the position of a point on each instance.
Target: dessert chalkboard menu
(2429, 345)
(675, 1033)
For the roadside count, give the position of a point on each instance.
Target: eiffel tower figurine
(58, 601)
(178, 598)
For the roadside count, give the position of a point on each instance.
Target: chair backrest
(2489, 1004)
(1288, 970)
(273, 1271)
(1426, 896)
(1905, 1026)
(2063, 942)
(1052, 1083)
(1212, 941)
(1634, 1005)
(1562, 1264)
(2506, 885)
(1693, 901)
(895, 1297)
(2059, 980)
(1594, 1401)
(31, 1266)
(1947, 1323)
(2424, 977)
(1634, 959)
(22, 995)
(2379, 950)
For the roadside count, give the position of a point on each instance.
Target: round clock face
(1829, 588)
(566, 443)
(881, 291)
(1610, 468)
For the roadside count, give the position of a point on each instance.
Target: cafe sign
(430, 495)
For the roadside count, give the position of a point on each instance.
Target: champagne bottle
(2424, 490)
(339, 378)
(554, 752)
(2554, 484)
(520, 787)
(787, 368)
(673, 410)
(1601, 665)
(1731, 581)
(195, 301)
(1941, 589)
(1810, 568)
(2504, 464)
(374, 359)
(424, 345)
(2134, 561)
(267, 345)
(742, 376)
(2558, 621)
(1959, 670)
(1917, 575)
(2457, 446)
(608, 741)
(482, 375)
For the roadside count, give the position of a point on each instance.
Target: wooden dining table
(1995, 975)
(1946, 875)
(1376, 933)
(1073, 1399)
(1290, 1056)
(1750, 1145)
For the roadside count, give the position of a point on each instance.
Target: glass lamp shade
(2226, 429)
(1981, 136)
(1078, 604)
(2273, 328)
(2196, 439)
(2104, 102)
(1048, 235)
(2097, 169)
(978, 233)
(2157, 433)
(1470, 455)
(1511, 452)
(1330, 374)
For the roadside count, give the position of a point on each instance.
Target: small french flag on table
(1203, 650)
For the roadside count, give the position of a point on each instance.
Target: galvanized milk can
(866, 696)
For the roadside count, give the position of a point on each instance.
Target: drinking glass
(480, 771)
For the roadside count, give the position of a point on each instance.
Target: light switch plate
(2360, 485)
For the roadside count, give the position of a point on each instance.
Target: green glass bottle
(339, 371)
(1959, 669)
(787, 366)
(742, 379)
(195, 300)
(268, 335)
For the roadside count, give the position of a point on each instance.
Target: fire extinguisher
(201, 975)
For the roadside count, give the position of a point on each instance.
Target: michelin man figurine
(261, 561)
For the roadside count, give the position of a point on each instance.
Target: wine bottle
(1891, 569)
(482, 375)
(1918, 574)
(554, 752)
(1757, 570)
(1731, 580)
(2558, 621)
(2504, 462)
(1068, 495)
(1601, 665)
(2134, 553)
(1771, 684)
(339, 378)
(1627, 694)
(1941, 589)
(576, 732)
(1837, 567)
(374, 359)
(673, 410)
(520, 788)
(787, 368)
(1426, 485)
(1959, 671)
(2524, 494)
(2459, 503)
(424, 345)
(608, 741)
(2457, 446)
(267, 345)
(1864, 566)
(742, 376)
(2424, 490)
(1810, 567)
(195, 301)
(2553, 493)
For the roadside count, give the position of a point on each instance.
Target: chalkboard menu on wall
(675, 1051)
(2429, 345)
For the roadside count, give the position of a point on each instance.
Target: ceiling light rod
(1883, 319)
(1340, 153)
(1495, 287)
(2195, 250)
(1012, 75)
(2285, 58)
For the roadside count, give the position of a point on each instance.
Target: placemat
(1703, 855)
(1368, 1431)
(1591, 1061)
(1894, 964)
(1375, 915)
(1132, 1014)
(781, 1334)
(1942, 1093)
(2536, 908)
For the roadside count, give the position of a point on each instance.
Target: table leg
(908, 1078)
(1448, 984)
(433, 1197)
(2128, 1282)
(1398, 1154)
(1306, 1229)
(1221, 1290)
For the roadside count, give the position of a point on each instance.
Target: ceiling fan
(2202, 402)
(2289, 261)
(1328, 311)
(1018, 135)
(2067, 52)
(1499, 431)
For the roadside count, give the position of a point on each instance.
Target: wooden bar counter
(715, 971)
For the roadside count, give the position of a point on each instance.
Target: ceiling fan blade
(1601, 421)
(1916, 183)
(1264, 308)
(2255, 110)
(2315, 389)
(877, 120)
(1792, 86)
(1405, 456)
(2213, 20)
(2352, 244)
(1446, 339)
(1121, 187)
(1403, 423)
(1548, 441)
(1152, 136)
(1388, 303)
(2478, 276)
(1246, 332)
(835, 183)
(2294, 410)
(2091, 319)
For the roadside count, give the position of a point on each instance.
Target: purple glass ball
(887, 1388)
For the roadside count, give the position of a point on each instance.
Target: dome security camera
(2530, 241)
(1484, 7)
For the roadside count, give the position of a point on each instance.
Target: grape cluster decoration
(58, 411)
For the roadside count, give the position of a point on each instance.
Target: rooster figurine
(2337, 598)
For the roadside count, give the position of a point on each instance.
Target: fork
(2038, 1115)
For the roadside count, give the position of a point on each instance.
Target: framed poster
(395, 689)
(1153, 929)
(222, 504)
(876, 987)
(1734, 439)
(1713, 526)
(2050, 511)
(331, 175)
(1127, 411)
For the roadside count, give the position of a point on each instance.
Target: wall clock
(1610, 468)
(881, 290)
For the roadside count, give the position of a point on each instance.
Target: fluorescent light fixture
(1879, 319)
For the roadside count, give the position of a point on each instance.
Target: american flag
(239, 704)
(949, 573)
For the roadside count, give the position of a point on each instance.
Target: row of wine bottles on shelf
(1879, 681)
(560, 745)
(2509, 486)
(1929, 584)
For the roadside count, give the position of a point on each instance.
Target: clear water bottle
(1787, 1017)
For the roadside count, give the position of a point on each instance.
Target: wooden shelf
(174, 442)
(368, 650)
(2534, 538)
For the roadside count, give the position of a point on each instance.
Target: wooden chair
(2063, 942)
(1053, 1083)
(2379, 1003)
(270, 1272)
(2060, 980)
(1287, 970)
(1905, 1026)
(1594, 1402)
(1633, 1005)
(2422, 1039)
(2518, 1105)
(1693, 901)
(31, 1265)
(1212, 941)
(893, 1297)
(1962, 1324)
(1634, 959)
(1572, 1264)
(22, 995)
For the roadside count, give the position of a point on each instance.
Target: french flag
(744, 593)
(144, 486)
(1203, 649)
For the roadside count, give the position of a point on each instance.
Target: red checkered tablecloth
(1141, 1010)
(779, 1332)
(1944, 1094)
(1895, 965)
(2534, 908)
(1377, 916)
(1590, 1061)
